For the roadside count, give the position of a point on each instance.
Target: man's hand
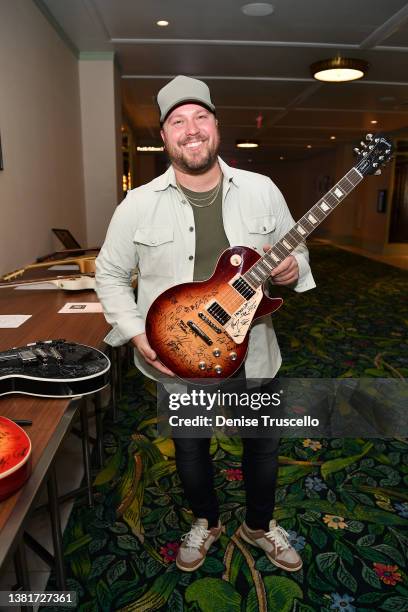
(287, 272)
(142, 345)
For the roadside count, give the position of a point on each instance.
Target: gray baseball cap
(183, 89)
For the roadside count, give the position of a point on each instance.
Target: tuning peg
(369, 137)
(371, 147)
(377, 172)
(356, 150)
(363, 144)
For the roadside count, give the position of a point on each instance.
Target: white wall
(41, 185)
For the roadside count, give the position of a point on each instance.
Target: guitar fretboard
(261, 270)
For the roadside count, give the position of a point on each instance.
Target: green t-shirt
(211, 240)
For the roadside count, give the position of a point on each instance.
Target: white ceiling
(254, 65)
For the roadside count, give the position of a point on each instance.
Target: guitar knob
(218, 369)
(369, 137)
(201, 365)
(233, 356)
(216, 352)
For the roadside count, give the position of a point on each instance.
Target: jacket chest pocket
(260, 230)
(155, 247)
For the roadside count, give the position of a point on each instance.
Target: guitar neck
(85, 264)
(261, 270)
(45, 279)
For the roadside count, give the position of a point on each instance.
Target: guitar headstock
(374, 153)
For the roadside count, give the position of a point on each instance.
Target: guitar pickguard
(240, 322)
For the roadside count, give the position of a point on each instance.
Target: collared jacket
(152, 231)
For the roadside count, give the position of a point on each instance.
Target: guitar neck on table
(46, 279)
(86, 265)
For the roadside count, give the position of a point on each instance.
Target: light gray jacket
(150, 231)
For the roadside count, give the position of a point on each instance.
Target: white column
(101, 141)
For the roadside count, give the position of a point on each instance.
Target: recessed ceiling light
(332, 138)
(247, 144)
(281, 157)
(374, 121)
(162, 23)
(339, 69)
(309, 146)
(257, 9)
(148, 149)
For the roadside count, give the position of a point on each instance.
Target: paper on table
(65, 267)
(79, 307)
(13, 320)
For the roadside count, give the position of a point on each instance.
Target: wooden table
(52, 418)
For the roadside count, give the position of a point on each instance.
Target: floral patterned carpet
(344, 502)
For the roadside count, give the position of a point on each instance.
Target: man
(173, 230)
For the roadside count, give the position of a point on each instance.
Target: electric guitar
(53, 368)
(199, 330)
(15, 457)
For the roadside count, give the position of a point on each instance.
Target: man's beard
(191, 165)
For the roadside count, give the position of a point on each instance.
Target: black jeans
(259, 466)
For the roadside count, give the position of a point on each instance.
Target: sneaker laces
(279, 536)
(195, 537)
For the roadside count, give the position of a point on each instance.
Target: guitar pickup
(199, 332)
(27, 356)
(56, 354)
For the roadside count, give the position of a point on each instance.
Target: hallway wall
(41, 185)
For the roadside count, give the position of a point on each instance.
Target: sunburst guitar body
(15, 457)
(190, 326)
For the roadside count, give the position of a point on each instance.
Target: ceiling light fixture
(149, 149)
(247, 144)
(162, 23)
(281, 157)
(332, 138)
(309, 146)
(257, 9)
(374, 121)
(339, 69)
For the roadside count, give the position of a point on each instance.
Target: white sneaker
(195, 545)
(275, 543)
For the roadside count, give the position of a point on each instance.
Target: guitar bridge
(199, 332)
(209, 323)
